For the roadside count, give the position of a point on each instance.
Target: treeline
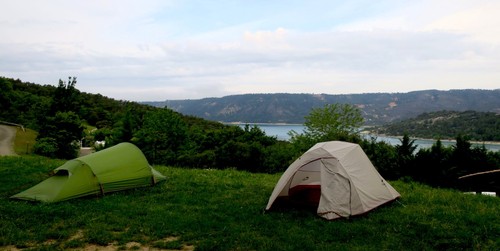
(478, 126)
(62, 115)
(27, 103)
(439, 166)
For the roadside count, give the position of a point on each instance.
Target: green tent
(117, 168)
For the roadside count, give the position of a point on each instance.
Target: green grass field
(223, 210)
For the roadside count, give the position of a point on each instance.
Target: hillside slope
(377, 108)
(480, 126)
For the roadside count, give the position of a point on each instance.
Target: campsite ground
(223, 210)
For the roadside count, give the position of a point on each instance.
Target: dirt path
(7, 134)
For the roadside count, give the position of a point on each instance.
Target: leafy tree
(244, 149)
(124, 129)
(66, 97)
(128, 121)
(20, 106)
(66, 130)
(383, 156)
(62, 123)
(5, 97)
(278, 157)
(161, 136)
(333, 121)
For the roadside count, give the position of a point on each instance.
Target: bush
(46, 147)
(278, 157)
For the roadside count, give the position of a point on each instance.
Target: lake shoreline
(280, 131)
(431, 139)
(239, 123)
(263, 123)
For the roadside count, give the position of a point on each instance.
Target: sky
(155, 50)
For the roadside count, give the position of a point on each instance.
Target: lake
(280, 131)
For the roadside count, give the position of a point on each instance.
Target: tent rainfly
(117, 168)
(336, 176)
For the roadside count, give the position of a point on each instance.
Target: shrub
(46, 147)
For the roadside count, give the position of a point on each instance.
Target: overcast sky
(152, 50)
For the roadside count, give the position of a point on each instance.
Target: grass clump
(224, 210)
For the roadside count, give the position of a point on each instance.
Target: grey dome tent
(119, 167)
(336, 176)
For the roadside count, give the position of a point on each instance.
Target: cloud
(480, 21)
(155, 50)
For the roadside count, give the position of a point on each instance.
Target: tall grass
(24, 141)
(224, 210)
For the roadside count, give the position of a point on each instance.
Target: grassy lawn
(223, 210)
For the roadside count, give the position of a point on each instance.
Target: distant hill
(377, 108)
(480, 126)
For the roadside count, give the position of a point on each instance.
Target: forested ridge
(478, 126)
(376, 108)
(62, 115)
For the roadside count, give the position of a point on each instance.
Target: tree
(123, 130)
(161, 136)
(333, 121)
(432, 166)
(405, 157)
(383, 156)
(62, 133)
(66, 97)
(462, 157)
(61, 124)
(5, 97)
